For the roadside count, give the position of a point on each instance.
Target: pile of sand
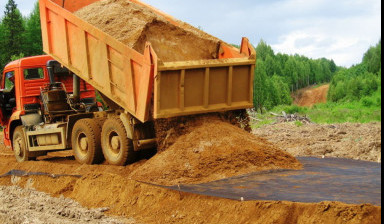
(134, 24)
(192, 149)
(212, 149)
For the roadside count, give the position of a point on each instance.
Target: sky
(341, 30)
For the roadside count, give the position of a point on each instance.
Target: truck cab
(22, 83)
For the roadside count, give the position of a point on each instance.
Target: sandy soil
(23, 205)
(151, 204)
(210, 150)
(353, 141)
(134, 25)
(107, 186)
(310, 96)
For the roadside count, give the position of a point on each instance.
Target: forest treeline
(19, 36)
(278, 75)
(359, 81)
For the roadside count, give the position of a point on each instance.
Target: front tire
(117, 147)
(86, 143)
(19, 145)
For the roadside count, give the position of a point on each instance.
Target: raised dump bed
(135, 78)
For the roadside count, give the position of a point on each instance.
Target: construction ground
(109, 194)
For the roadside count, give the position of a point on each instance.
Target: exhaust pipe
(50, 65)
(76, 88)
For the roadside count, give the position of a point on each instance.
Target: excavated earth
(349, 140)
(212, 149)
(39, 207)
(310, 96)
(134, 25)
(115, 189)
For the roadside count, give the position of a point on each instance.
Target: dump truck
(138, 88)
(24, 98)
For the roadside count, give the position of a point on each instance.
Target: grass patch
(298, 123)
(368, 109)
(259, 124)
(261, 120)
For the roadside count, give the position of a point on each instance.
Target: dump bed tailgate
(195, 87)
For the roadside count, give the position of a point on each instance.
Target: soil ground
(352, 141)
(310, 96)
(38, 207)
(104, 186)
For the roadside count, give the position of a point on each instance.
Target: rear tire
(86, 143)
(117, 147)
(19, 145)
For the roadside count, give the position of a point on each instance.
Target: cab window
(9, 81)
(33, 73)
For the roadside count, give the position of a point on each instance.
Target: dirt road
(310, 96)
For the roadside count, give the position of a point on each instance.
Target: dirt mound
(133, 25)
(169, 130)
(210, 150)
(311, 96)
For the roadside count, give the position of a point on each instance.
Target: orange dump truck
(138, 88)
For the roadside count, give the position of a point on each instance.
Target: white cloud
(340, 34)
(318, 45)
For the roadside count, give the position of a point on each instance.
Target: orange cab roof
(29, 61)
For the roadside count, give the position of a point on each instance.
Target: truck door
(7, 96)
(33, 79)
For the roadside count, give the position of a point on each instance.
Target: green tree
(372, 58)
(282, 90)
(263, 50)
(3, 56)
(290, 70)
(260, 91)
(301, 74)
(33, 40)
(13, 29)
(307, 73)
(333, 66)
(270, 66)
(326, 70)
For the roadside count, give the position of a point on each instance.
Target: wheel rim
(114, 143)
(82, 144)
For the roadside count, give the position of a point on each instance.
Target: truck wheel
(19, 144)
(86, 144)
(117, 147)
